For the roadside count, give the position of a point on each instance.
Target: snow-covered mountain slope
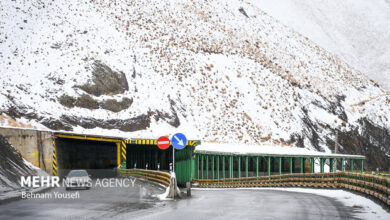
(216, 70)
(358, 31)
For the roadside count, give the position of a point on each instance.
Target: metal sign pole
(173, 159)
(179, 141)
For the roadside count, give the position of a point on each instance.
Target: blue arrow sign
(179, 141)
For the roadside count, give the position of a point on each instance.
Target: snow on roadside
(367, 208)
(38, 170)
(164, 195)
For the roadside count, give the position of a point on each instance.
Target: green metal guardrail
(152, 175)
(209, 165)
(373, 185)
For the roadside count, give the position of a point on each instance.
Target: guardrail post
(230, 167)
(138, 159)
(291, 165)
(188, 186)
(280, 166)
(159, 161)
(212, 167)
(331, 165)
(351, 164)
(217, 166)
(246, 166)
(342, 164)
(223, 167)
(134, 155)
(239, 166)
(140, 165)
(362, 166)
(257, 166)
(269, 166)
(143, 158)
(312, 164)
(207, 166)
(302, 164)
(197, 166)
(202, 166)
(192, 166)
(130, 163)
(322, 165)
(136, 162)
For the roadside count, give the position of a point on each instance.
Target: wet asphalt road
(96, 203)
(249, 204)
(138, 203)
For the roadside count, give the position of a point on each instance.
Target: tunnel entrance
(99, 158)
(144, 154)
(148, 157)
(103, 156)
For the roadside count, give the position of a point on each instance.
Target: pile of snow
(164, 195)
(229, 71)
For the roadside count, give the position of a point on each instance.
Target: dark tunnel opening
(148, 156)
(99, 158)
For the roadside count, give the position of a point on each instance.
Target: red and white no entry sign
(163, 143)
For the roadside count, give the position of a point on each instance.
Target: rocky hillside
(12, 167)
(215, 70)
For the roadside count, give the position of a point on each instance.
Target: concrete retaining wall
(35, 146)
